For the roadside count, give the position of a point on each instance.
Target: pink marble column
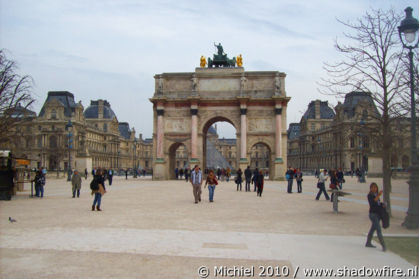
(243, 133)
(278, 133)
(160, 113)
(194, 133)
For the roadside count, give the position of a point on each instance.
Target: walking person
(98, 189)
(76, 183)
(255, 174)
(39, 184)
(212, 182)
(322, 189)
(376, 208)
(85, 173)
(228, 174)
(126, 174)
(334, 187)
(186, 174)
(259, 180)
(340, 178)
(299, 179)
(196, 181)
(110, 176)
(248, 177)
(239, 179)
(289, 175)
(218, 173)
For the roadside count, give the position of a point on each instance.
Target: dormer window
(53, 114)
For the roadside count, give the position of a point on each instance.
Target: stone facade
(327, 138)
(185, 105)
(99, 140)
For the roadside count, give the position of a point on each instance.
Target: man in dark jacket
(248, 177)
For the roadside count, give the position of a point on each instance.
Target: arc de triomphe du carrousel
(185, 105)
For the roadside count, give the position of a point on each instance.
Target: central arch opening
(220, 145)
(179, 160)
(261, 158)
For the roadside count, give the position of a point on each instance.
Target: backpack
(94, 185)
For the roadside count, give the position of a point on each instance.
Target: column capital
(160, 112)
(243, 111)
(278, 110)
(194, 111)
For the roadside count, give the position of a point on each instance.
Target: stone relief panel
(178, 85)
(219, 84)
(261, 125)
(177, 125)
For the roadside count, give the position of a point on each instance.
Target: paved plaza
(153, 229)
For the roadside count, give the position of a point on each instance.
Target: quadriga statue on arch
(220, 59)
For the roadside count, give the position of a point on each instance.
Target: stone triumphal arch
(185, 105)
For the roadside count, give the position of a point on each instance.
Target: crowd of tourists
(334, 177)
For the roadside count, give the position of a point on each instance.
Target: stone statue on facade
(160, 86)
(194, 83)
(277, 85)
(243, 81)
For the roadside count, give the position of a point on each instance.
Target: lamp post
(69, 128)
(318, 153)
(408, 32)
(361, 146)
(135, 157)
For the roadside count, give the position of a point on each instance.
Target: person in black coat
(239, 179)
(255, 174)
(248, 177)
(374, 214)
(259, 180)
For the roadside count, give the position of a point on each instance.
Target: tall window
(105, 127)
(53, 142)
(53, 114)
(352, 142)
(39, 141)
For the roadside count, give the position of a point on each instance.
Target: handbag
(318, 184)
(332, 186)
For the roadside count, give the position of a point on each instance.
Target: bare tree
(372, 62)
(15, 96)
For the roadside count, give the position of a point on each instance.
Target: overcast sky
(112, 49)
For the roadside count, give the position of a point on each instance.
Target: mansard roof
(353, 99)
(92, 112)
(294, 131)
(21, 112)
(124, 130)
(326, 112)
(63, 97)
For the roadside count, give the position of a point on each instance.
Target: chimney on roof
(100, 109)
(317, 109)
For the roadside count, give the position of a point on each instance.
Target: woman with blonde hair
(212, 182)
(374, 214)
